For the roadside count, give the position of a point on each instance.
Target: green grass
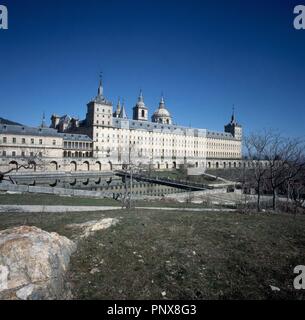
(187, 255)
(43, 199)
(52, 200)
(180, 175)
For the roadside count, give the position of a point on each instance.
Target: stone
(90, 227)
(36, 261)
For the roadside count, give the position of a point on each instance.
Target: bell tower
(140, 112)
(100, 111)
(234, 128)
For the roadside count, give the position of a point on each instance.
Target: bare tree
(296, 191)
(275, 162)
(126, 199)
(256, 146)
(26, 163)
(285, 161)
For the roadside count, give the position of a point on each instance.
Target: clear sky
(204, 55)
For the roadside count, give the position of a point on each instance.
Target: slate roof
(41, 132)
(169, 128)
(6, 121)
(24, 130)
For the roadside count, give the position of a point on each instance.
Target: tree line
(276, 166)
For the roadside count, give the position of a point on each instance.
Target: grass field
(52, 200)
(180, 175)
(180, 254)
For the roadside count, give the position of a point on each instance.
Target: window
(54, 142)
(32, 141)
(32, 154)
(40, 141)
(4, 153)
(14, 154)
(4, 139)
(14, 140)
(23, 154)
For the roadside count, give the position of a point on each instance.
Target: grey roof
(42, 132)
(6, 121)
(219, 135)
(168, 128)
(75, 137)
(31, 131)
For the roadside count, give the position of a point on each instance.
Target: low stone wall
(57, 191)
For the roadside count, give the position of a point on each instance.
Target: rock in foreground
(33, 263)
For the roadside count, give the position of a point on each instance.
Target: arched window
(73, 166)
(54, 166)
(87, 166)
(99, 166)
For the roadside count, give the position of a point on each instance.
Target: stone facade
(106, 139)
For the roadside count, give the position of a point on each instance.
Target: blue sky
(204, 55)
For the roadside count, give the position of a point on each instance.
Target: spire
(43, 122)
(141, 98)
(233, 114)
(118, 107)
(162, 103)
(100, 88)
(123, 114)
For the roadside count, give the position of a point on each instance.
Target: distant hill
(9, 122)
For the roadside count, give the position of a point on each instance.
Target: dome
(162, 115)
(162, 112)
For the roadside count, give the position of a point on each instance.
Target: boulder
(33, 263)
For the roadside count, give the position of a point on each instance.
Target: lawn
(183, 255)
(180, 175)
(52, 200)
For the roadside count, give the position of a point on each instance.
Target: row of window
(69, 154)
(21, 154)
(223, 154)
(103, 110)
(77, 145)
(14, 140)
(103, 122)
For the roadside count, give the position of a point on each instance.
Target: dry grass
(187, 255)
